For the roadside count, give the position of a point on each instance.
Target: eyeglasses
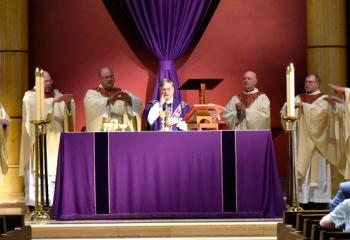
(309, 82)
(108, 76)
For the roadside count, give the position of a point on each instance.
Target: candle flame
(292, 67)
(37, 72)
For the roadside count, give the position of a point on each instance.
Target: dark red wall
(73, 39)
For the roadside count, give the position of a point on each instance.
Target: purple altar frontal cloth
(167, 175)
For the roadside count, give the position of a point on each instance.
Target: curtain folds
(167, 28)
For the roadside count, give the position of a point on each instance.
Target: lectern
(201, 85)
(203, 116)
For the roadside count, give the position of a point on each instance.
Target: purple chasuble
(157, 125)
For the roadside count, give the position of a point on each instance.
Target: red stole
(107, 92)
(248, 99)
(306, 98)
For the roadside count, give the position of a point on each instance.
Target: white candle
(42, 96)
(37, 95)
(290, 75)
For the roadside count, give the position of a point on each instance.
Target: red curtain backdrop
(73, 39)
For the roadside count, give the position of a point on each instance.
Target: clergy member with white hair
(167, 112)
(249, 109)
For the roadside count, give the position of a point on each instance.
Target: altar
(194, 174)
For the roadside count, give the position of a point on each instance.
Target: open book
(213, 110)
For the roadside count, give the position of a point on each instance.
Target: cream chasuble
(347, 132)
(257, 113)
(62, 120)
(3, 149)
(343, 130)
(316, 147)
(97, 111)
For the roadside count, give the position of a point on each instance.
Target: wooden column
(13, 84)
(326, 52)
(326, 41)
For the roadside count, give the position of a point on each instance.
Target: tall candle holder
(293, 188)
(42, 208)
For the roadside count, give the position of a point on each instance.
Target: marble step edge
(157, 230)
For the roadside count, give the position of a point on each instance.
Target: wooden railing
(9, 222)
(23, 233)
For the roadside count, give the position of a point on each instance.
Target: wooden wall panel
(326, 23)
(14, 25)
(326, 41)
(13, 83)
(330, 64)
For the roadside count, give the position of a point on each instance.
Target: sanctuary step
(194, 238)
(162, 229)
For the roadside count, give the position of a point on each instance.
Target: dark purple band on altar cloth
(229, 170)
(101, 172)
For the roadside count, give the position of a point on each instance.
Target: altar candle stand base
(42, 210)
(40, 215)
(293, 189)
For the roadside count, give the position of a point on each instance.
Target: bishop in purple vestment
(167, 112)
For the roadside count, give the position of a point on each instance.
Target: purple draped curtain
(167, 27)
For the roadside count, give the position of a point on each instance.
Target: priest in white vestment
(60, 109)
(249, 109)
(315, 138)
(4, 126)
(108, 108)
(343, 111)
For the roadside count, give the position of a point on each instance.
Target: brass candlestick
(42, 209)
(293, 187)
